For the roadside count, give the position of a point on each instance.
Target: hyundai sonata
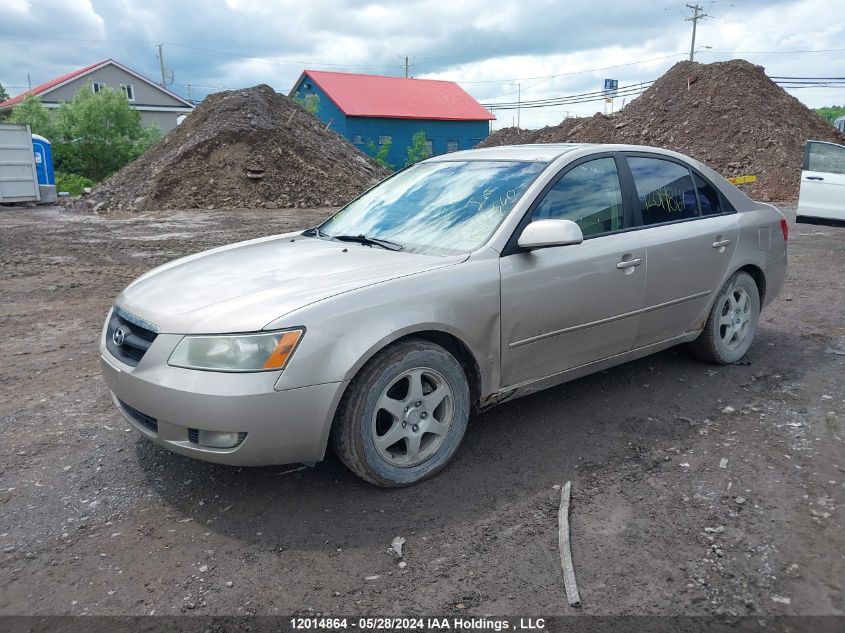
(465, 280)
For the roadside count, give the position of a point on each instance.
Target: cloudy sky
(541, 47)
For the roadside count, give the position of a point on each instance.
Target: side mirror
(546, 233)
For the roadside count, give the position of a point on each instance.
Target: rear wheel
(732, 323)
(404, 415)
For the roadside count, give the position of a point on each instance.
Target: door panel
(566, 306)
(822, 193)
(690, 238)
(686, 264)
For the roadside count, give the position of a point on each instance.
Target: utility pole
(408, 64)
(518, 102)
(696, 16)
(406, 59)
(161, 65)
(188, 86)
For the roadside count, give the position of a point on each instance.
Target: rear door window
(665, 191)
(708, 197)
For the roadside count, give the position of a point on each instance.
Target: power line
(497, 49)
(626, 91)
(279, 61)
(643, 61)
(68, 39)
(269, 60)
(597, 93)
(633, 90)
(819, 50)
(314, 64)
(570, 74)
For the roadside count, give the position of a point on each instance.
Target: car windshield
(444, 207)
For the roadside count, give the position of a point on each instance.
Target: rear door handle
(628, 263)
(721, 243)
(814, 178)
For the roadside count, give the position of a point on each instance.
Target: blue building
(371, 110)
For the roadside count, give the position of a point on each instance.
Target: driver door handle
(814, 178)
(628, 263)
(721, 243)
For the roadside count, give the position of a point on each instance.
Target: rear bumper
(165, 402)
(775, 275)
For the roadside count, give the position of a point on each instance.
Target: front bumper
(281, 427)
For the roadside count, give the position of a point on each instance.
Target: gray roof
(540, 152)
(546, 152)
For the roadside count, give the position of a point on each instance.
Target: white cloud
(21, 7)
(487, 47)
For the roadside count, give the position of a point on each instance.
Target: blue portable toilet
(43, 151)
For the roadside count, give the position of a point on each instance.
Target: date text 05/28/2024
(417, 624)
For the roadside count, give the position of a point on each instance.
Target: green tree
(379, 153)
(310, 102)
(72, 183)
(95, 134)
(3, 94)
(418, 149)
(33, 112)
(831, 113)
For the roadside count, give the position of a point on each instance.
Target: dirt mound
(508, 136)
(243, 149)
(729, 115)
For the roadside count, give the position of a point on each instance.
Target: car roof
(539, 152)
(545, 152)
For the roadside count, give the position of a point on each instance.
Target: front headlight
(238, 352)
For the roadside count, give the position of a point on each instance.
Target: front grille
(147, 421)
(129, 337)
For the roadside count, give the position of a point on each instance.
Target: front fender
(345, 331)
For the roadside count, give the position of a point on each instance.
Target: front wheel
(732, 323)
(404, 415)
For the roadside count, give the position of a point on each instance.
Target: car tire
(395, 397)
(732, 323)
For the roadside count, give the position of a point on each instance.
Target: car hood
(245, 286)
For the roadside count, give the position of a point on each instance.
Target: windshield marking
(438, 207)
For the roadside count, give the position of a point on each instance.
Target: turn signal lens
(284, 348)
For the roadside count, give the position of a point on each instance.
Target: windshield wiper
(368, 241)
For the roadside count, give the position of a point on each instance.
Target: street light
(700, 48)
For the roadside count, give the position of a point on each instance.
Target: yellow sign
(742, 180)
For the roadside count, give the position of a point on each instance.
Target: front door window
(588, 194)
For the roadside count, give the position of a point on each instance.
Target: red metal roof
(398, 97)
(51, 84)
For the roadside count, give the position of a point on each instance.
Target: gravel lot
(96, 520)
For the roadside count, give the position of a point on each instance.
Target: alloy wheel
(412, 417)
(735, 318)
